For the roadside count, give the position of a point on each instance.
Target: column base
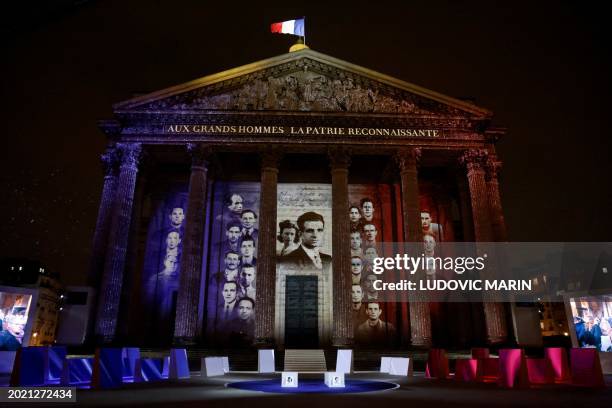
(496, 339)
(342, 342)
(263, 343)
(184, 341)
(420, 342)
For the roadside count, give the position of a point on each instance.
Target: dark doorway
(301, 312)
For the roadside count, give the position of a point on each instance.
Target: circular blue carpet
(309, 386)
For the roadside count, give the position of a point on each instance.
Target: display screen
(592, 318)
(14, 315)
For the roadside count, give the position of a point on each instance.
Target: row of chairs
(110, 367)
(512, 369)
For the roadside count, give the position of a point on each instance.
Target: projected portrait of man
(233, 235)
(248, 218)
(308, 255)
(242, 327)
(231, 260)
(170, 265)
(430, 227)
(359, 309)
(375, 331)
(367, 209)
(227, 309)
(355, 218)
(429, 249)
(176, 217)
(370, 232)
(247, 281)
(356, 268)
(233, 209)
(370, 292)
(247, 252)
(356, 244)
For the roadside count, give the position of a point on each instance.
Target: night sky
(542, 67)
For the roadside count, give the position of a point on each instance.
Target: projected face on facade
(230, 291)
(429, 244)
(356, 265)
(367, 208)
(373, 312)
(245, 309)
(233, 233)
(247, 248)
(170, 264)
(177, 216)
(235, 203)
(289, 235)
(312, 236)
(425, 220)
(371, 254)
(232, 261)
(356, 293)
(369, 284)
(354, 214)
(248, 275)
(173, 240)
(355, 241)
(370, 232)
(248, 219)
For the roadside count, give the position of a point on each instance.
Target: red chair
(437, 364)
(557, 358)
(488, 369)
(586, 368)
(540, 371)
(466, 369)
(512, 369)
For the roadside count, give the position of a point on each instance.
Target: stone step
(305, 360)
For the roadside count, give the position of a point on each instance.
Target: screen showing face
(592, 318)
(14, 314)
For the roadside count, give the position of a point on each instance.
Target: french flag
(295, 27)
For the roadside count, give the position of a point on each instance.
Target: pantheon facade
(245, 208)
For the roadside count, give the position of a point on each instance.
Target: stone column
(497, 215)
(118, 237)
(110, 163)
(186, 319)
(266, 252)
(342, 335)
(475, 161)
(465, 207)
(407, 160)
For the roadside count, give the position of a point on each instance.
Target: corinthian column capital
(492, 168)
(474, 159)
(339, 158)
(270, 158)
(130, 154)
(110, 160)
(407, 159)
(200, 154)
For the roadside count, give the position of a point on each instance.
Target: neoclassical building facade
(245, 207)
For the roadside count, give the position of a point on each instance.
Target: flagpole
(304, 30)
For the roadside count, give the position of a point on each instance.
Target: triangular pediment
(302, 81)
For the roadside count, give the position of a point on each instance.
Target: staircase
(305, 361)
